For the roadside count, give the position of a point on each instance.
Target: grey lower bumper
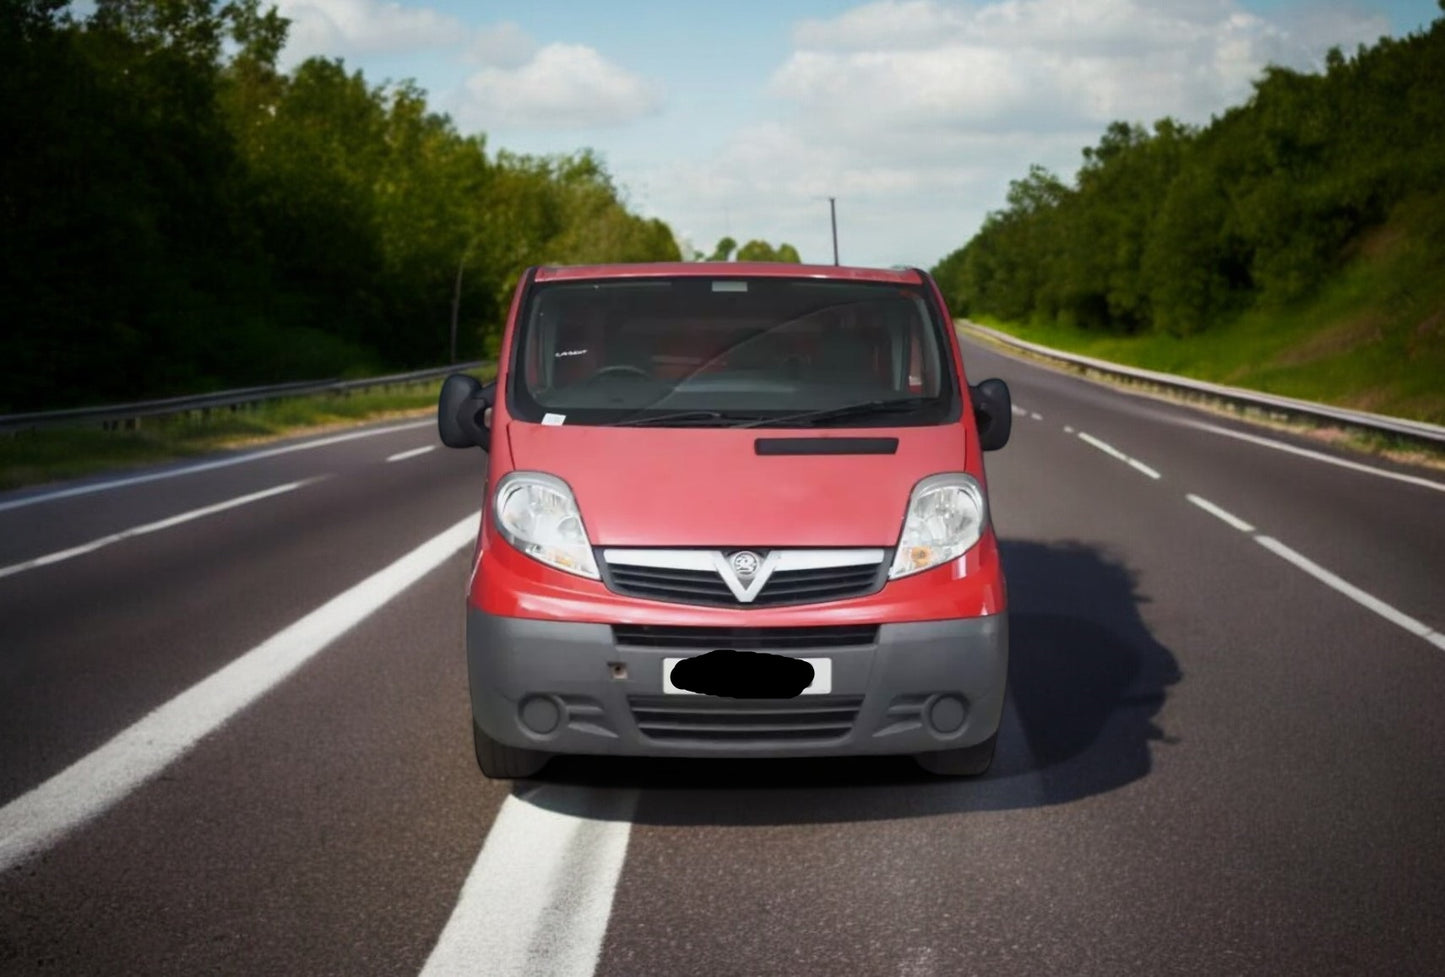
(571, 688)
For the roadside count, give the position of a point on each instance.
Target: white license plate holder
(822, 683)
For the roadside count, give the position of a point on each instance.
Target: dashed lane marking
(1389, 613)
(1220, 513)
(206, 466)
(1114, 452)
(413, 453)
(150, 527)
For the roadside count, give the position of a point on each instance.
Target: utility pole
(457, 291)
(457, 301)
(833, 211)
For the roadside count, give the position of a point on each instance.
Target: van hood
(709, 487)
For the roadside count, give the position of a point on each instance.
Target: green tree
(757, 250)
(724, 250)
(1176, 228)
(234, 224)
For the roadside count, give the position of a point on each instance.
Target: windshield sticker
(729, 286)
(553, 420)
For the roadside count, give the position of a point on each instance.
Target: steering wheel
(619, 368)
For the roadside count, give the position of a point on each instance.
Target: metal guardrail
(125, 415)
(1432, 435)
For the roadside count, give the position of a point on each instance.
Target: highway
(234, 735)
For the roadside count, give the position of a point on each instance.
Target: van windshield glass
(714, 352)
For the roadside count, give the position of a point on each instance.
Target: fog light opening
(946, 714)
(540, 714)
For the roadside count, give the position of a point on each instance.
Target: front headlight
(538, 515)
(946, 516)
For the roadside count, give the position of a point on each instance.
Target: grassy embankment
(36, 457)
(1373, 339)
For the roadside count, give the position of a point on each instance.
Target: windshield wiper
(681, 417)
(867, 407)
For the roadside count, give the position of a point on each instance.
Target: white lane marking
(87, 788)
(1068, 429)
(1015, 408)
(1354, 593)
(1103, 446)
(1036, 416)
(206, 466)
(537, 899)
(150, 527)
(1220, 513)
(414, 452)
(1316, 455)
(1114, 452)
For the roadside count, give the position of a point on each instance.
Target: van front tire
(501, 762)
(970, 761)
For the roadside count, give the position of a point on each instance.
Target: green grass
(1374, 339)
(37, 457)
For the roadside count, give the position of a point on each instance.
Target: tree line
(1174, 228)
(177, 214)
(755, 250)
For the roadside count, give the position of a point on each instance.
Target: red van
(733, 510)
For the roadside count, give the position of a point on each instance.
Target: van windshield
(705, 351)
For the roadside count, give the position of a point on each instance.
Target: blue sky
(742, 117)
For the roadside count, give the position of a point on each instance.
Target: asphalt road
(236, 741)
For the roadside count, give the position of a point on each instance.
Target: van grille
(809, 586)
(673, 719)
(679, 586)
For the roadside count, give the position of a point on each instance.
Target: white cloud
(917, 113)
(502, 45)
(1026, 65)
(895, 25)
(561, 86)
(514, 82)
(349, 28)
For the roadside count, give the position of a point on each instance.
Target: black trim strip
(826, 446)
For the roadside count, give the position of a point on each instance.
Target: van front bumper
(564, 687)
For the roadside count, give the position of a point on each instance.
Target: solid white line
(1317, 455)
(149, 527)
(40, 818)
(1140, 466)
(1354, 593)
(414, 452)
(1219, 513)
(206, 466)
(538, 896)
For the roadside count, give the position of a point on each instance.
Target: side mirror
(993, 408)
(462, 411)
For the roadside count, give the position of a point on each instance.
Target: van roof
(730, 269)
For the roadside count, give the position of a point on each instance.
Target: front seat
(845, 359)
